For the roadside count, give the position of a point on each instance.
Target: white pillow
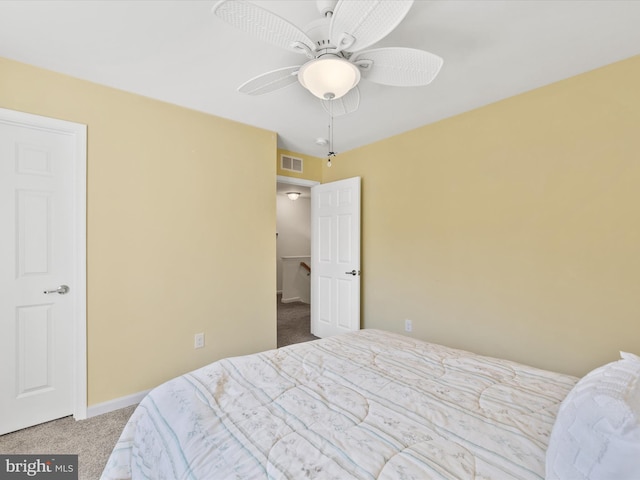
(596, 434)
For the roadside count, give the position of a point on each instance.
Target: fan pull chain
(329, 153)
(329, 97)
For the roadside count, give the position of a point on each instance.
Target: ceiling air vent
(292, 164)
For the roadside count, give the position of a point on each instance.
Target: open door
(335, 257)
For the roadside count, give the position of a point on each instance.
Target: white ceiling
(177, 51)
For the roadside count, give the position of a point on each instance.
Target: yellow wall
(172, 249)
(512, 230)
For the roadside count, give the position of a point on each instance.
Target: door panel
(344, 240)
(335, 252)
(34, 350)
(34, 235)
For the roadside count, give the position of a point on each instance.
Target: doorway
(293, 260)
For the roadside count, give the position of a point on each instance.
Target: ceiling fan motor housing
(318, 31)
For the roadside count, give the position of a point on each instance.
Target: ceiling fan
(334, 46)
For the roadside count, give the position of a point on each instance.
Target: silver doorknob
(62, 290)
(353, 272)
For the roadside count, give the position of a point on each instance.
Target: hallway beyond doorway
(294, 322)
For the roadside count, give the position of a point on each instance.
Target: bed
(364, 405)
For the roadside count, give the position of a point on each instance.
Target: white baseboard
(290, 300)
(115, 404)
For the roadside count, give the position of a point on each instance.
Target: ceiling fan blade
(357, 24)
(270, 81)
(348, 103)
(400, 67)
(263, 24)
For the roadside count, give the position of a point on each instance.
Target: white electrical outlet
(198, 341)
(408, 327)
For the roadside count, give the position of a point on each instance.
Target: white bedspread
(366, 405)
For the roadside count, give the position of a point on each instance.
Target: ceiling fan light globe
(329, 77)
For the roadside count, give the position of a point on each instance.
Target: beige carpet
(92, 440)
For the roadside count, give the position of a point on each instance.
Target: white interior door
(40, 353)
(335, 257)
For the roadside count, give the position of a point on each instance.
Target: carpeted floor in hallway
(294, 323)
